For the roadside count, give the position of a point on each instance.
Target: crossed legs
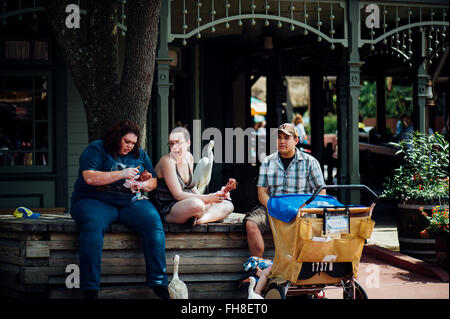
(195, 207)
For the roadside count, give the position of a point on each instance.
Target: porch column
(162, 84)
(276, 92)
(348, 135)
(317, 129)
(381, 105)
(445, 104)
(342, 80)
(419, 99)
(419, 87)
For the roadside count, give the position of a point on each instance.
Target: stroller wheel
(275, 291)
(359, 291)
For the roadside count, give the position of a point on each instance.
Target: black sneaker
(161, 291)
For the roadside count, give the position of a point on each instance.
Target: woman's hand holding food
(129, 173)
(213, 198)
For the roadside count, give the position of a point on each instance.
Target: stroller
(318, 243)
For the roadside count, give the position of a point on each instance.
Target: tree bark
(91, 55)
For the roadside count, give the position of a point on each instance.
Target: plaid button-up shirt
(303, 175)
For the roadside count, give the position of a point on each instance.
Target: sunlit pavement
(381, 277)
(383, 281)
(385, 235)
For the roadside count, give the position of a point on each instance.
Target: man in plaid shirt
(287, 171)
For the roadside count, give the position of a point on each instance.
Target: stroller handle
(351, 187)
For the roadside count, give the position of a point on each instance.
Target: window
(25, 51)
(25, 122)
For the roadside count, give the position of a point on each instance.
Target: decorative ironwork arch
(33, 10)
(403, 28)
(10, 14)
(252, 16)
(300, 24)
(434, 23)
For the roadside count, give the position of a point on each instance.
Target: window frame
(30, 62)
(50, 167)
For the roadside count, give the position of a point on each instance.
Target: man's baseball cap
(289, 129)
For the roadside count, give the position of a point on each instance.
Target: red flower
(424, 233)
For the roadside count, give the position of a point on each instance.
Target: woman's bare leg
(215, 212)
(185, 209)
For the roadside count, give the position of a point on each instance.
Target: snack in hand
(232, 184)
(144, 176)
(136, 184)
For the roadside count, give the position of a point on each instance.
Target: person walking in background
(298, 123)
(400, 126)
(404, 128)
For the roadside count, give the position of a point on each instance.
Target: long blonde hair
(298, 119)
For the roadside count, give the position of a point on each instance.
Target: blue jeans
(94, 217)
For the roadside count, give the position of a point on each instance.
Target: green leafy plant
(438, 222)
(398, 101)
(330, 123)
(423, 174)
(367, 99)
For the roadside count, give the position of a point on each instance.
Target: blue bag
(285, 207)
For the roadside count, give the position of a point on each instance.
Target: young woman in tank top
(176, 197)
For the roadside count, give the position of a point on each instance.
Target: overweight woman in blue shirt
(99, 199)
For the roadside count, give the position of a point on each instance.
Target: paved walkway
(384, 281)
(385, 235)
(384, 273)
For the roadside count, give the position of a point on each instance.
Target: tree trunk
(91, 55)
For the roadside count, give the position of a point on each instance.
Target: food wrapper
(221, 192)
(225, 190)
(129, 183)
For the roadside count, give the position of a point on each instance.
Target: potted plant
(438, 229)
(421, 181)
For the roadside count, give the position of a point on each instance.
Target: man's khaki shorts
(258, 215)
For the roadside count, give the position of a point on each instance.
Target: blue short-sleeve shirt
(95, 158)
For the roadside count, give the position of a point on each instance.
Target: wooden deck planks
(34, 255)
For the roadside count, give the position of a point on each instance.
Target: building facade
(209, 55)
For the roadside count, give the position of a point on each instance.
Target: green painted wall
(77, 136)
(27, 193)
